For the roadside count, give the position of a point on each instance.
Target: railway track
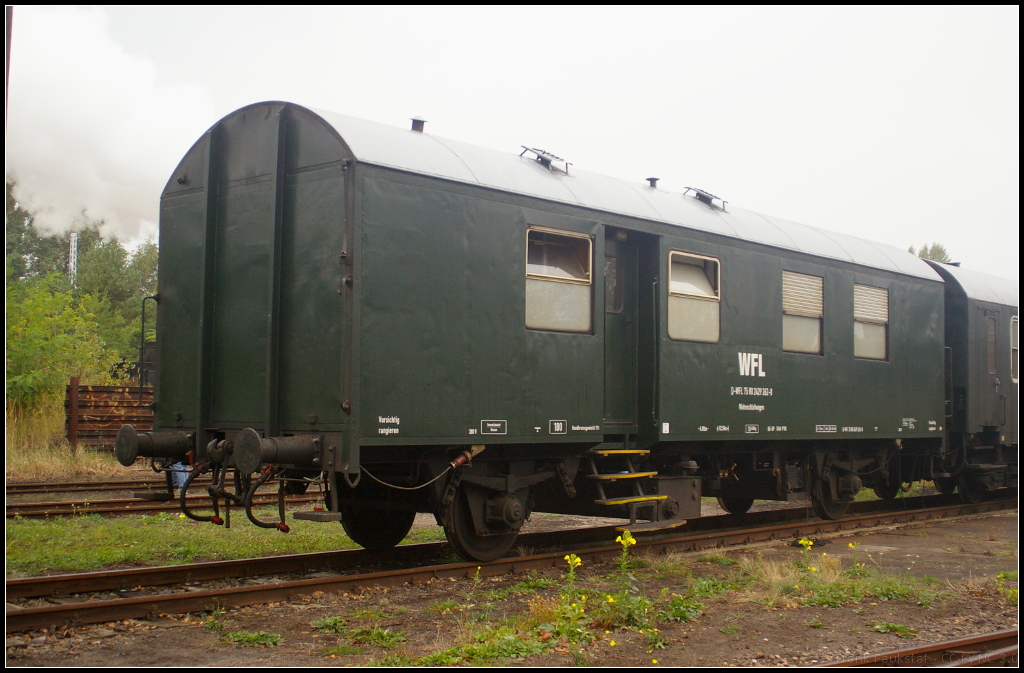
(998, 648)
(590, 544)
(36, 487)
(129, 506)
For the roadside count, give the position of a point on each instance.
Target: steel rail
(998, 648)
(29, 510)
(32, 487)
(23, 619)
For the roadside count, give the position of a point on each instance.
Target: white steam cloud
(91, 132)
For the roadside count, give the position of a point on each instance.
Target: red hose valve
(217, 520)
(283, 527)
(467, 455)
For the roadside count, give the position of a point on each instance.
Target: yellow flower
(813, 569)
(850, 545)
(611, 600)
(654, 661)
(566, 558)
(612, 643)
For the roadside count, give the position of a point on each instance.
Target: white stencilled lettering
(389, 420)
(751, 407)
(751, 364)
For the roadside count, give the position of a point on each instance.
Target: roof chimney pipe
(417, 124)
(653, 182)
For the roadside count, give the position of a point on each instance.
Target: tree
(56, 330)
(936, 253)
(52, 335)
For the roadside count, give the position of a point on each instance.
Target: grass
(250, 639)
(90, 542)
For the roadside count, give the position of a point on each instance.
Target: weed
(704, 587)
(342, 650)
(806, 544)
(928, 579)
(898, 629)
(730, 629)
(858, 569)
(369, 613)
(816, 624)
(520, 589)
(214, 620)
(392, 660)
(330, 624)
(682, 609)
(250, 639)
(446, 607)
(854, 629)
(894, 589)
(1009, 593)
(378, 637)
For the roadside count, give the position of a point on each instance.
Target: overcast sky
(897, 125)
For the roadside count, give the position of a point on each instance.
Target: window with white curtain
(558, 280)
(694, 298)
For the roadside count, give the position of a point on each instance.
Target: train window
(694, 298)
(990, 341)
(1014, 349)
(558, 279)
(802, 312)
(870, 322)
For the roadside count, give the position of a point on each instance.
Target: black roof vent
(707, 198)
(417, 124)
(547, 160)
(653, 182)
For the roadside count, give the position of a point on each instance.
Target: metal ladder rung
(631, 499)
(621, 452)
(629, 475)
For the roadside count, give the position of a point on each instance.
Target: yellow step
(621, 452)
(631, 499)
(628, 475)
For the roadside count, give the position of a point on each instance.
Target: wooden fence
(93, 414)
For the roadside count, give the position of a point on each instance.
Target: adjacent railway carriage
(427, 326)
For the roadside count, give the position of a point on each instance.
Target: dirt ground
(962, 555)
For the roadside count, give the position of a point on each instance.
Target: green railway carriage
(431, 326)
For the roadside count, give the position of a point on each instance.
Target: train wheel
(945, 485)
(823, 504)
(462, 535)
(970, 490)
(375, 528)
(736, 505)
